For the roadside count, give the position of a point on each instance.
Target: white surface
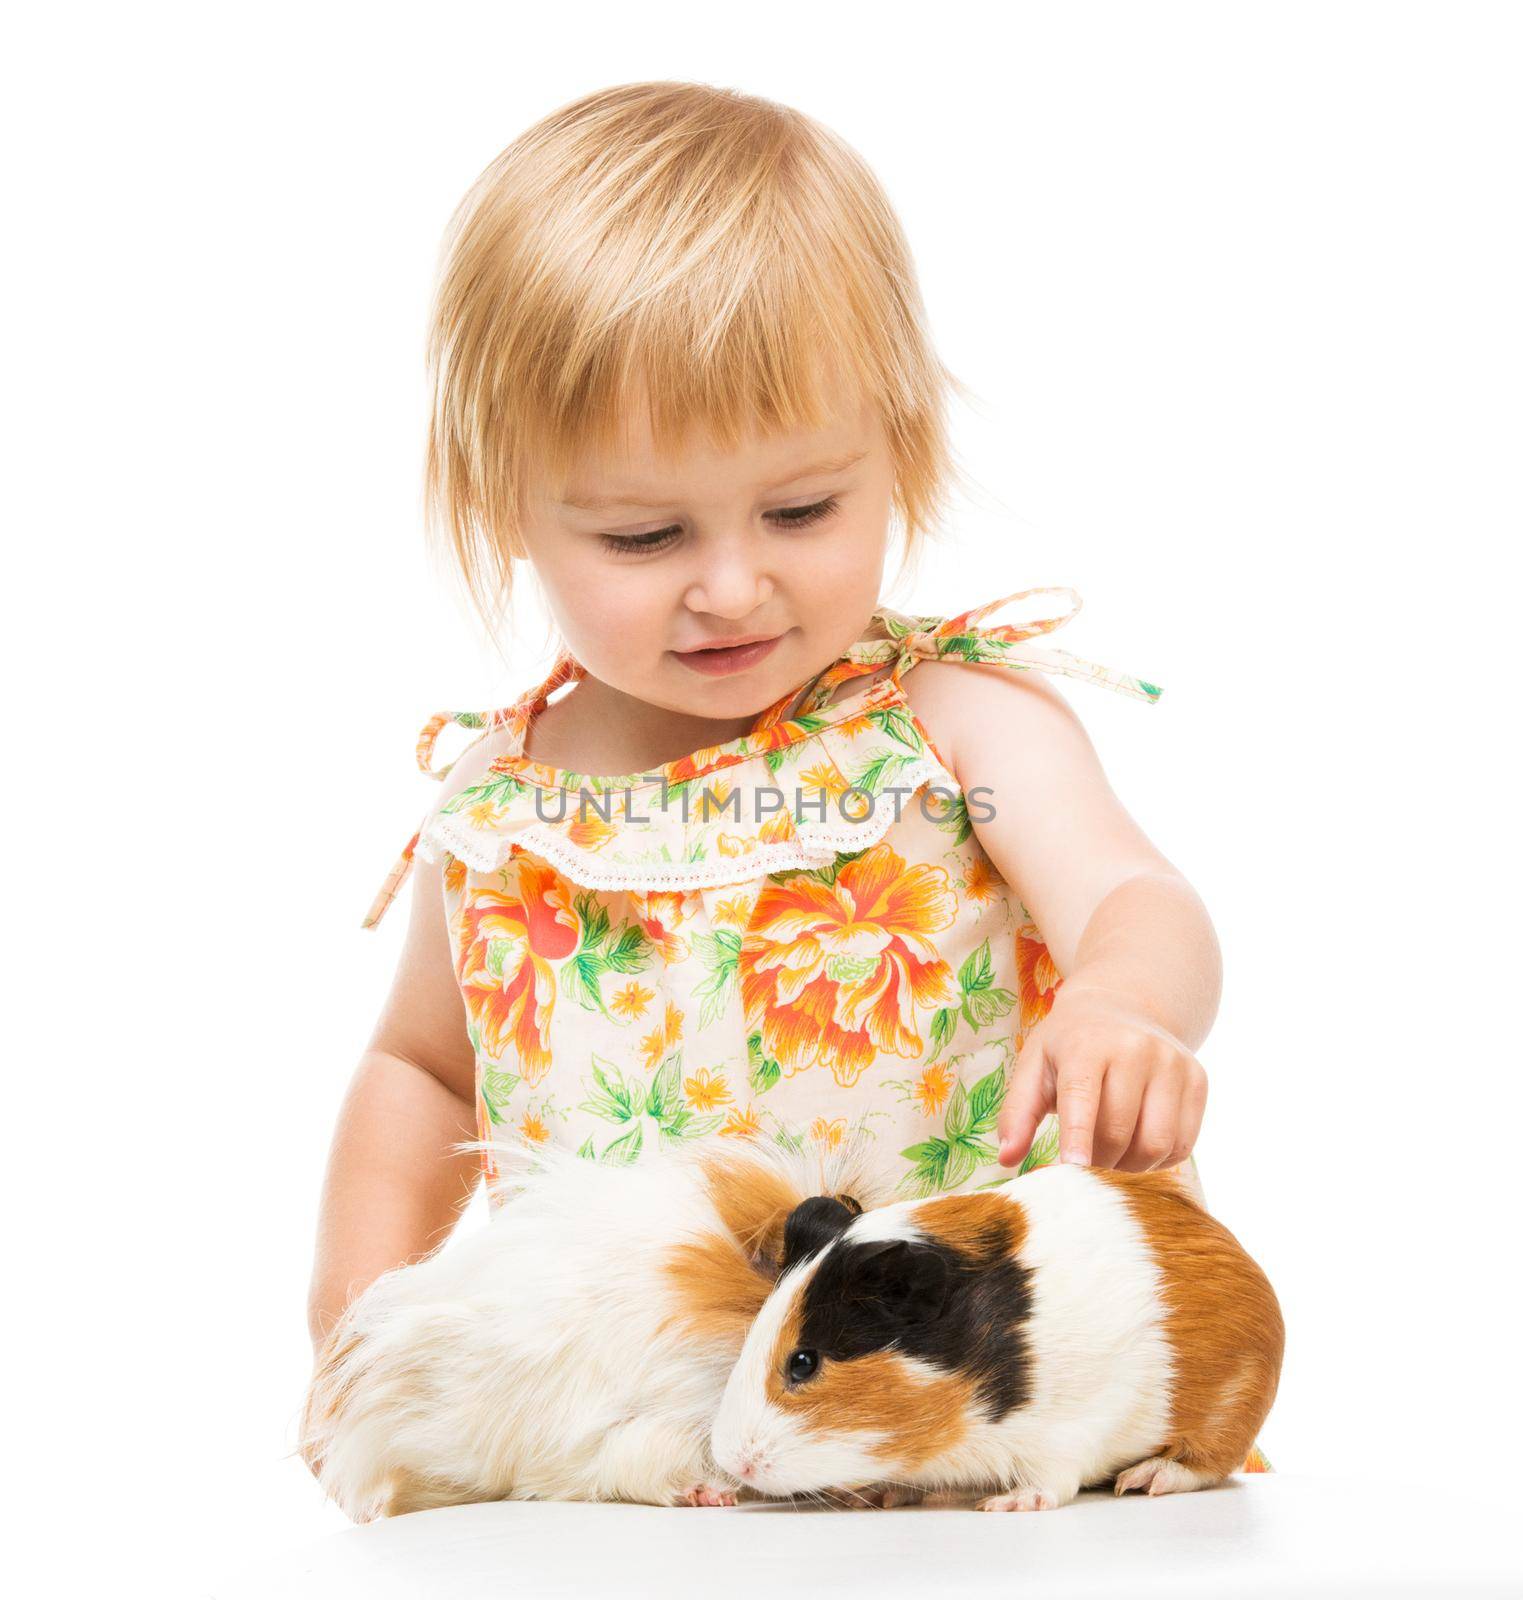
(1259, 1536)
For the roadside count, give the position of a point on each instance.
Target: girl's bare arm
(1141, 963)
(394, 1187)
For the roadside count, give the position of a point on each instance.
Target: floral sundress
(788, 936)
(795, 935)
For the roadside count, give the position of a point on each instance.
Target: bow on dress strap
(960, 638)
(481, 723)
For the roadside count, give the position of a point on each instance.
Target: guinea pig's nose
(744, 1466)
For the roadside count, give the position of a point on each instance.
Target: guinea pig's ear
(905, 1280)
(811, 1225)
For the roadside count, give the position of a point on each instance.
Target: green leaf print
(497, 790)
(496, 1087)
(826, 875)
(628, 952)
(587, 1152)
(899, 724)
(617, 1098)
(594, 915)
(720, 954)
(790, 1140)
(626, 1148)
(943, 1026)
(929, 1173)
(985, 1100)
(958, 1117)
(954, 818)
(982, 1003)
(1044, 1148)
(1043, 1152)
(944, 1163)
(665, 1093)
(880, 772)
(764, 1071)
(684, 1123)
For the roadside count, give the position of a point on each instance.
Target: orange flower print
(741, 1124)
(454, 875)
(826, 1133)
(933, 1086)
(704, 1091)
(656, 1045)
(532, 1128)
(735, 912)
(827, 780)
(591, 832)
(714, 800)
(504, 947)
(1039, 977)
(778, 829)
(631, 1001)
(660, 913)
(981, 883)
(734, 844)
(483, 813)
(832, 973)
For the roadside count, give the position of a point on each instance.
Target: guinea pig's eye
(801, 1364)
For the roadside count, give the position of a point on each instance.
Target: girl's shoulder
(975, 679)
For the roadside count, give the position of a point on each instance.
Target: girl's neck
(597, 729)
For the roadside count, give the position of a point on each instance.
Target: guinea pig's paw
(1160, 1475)
(705, 1494)
(1022, 1500)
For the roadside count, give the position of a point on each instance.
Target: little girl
(856, 871)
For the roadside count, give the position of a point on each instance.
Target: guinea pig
(1072, 1327)
(575, 1347)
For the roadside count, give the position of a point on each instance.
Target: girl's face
(647, 560)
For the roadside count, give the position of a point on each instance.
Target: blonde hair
(719, 258)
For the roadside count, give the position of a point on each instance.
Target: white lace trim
(816, 845)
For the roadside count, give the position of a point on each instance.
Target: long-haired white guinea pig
(573, 1348)
(1072, 1327)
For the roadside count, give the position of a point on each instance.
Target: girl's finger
(1192, 1110)
(1158, 1124)
(1116, 1118)
(1028, 1098)
(1079, 1080)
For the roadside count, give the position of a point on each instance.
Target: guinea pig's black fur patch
(930, 1300)
(813, 1223)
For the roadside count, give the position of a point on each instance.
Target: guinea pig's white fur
(1071, 1327)
(575, 1347)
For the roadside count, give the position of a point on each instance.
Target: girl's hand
(1128, 1094)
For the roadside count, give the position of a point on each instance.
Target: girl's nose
(732, 587)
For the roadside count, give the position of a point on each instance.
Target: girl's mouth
(719, 663)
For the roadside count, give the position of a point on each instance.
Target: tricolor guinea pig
(574, 1348)
(1072, 1327)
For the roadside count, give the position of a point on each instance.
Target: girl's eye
(788, 517)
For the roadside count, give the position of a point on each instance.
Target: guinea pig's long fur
(575, 1347)
(1071, 1327)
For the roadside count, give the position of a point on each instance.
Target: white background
(1238, 288)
